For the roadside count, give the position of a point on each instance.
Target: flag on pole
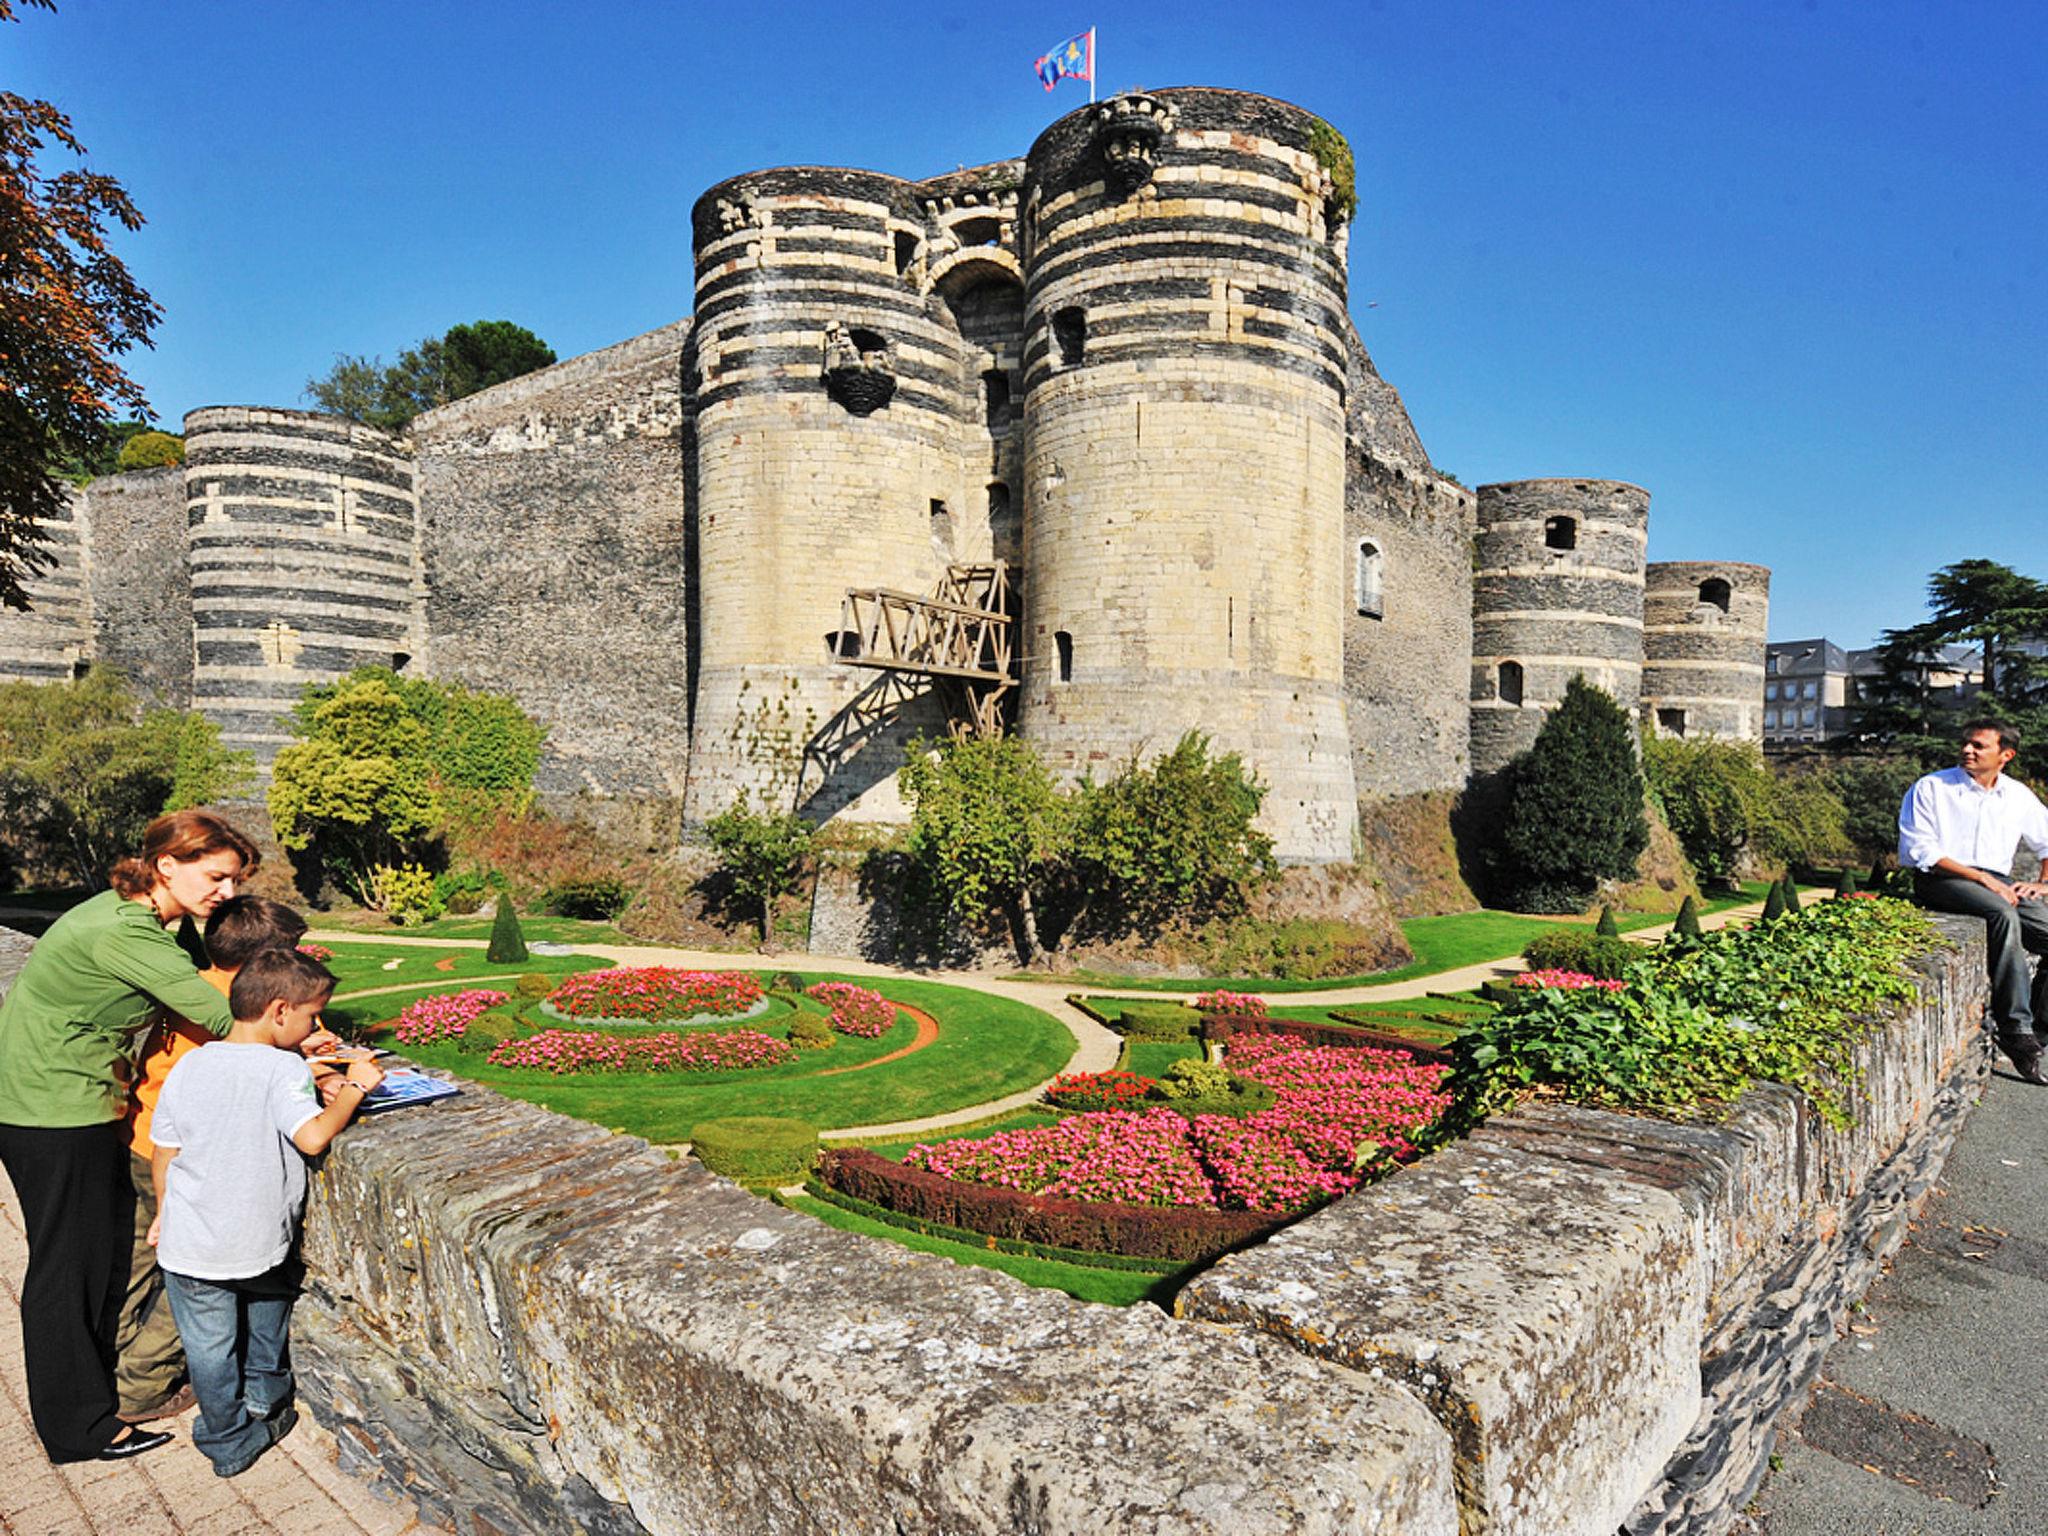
(1072, 60)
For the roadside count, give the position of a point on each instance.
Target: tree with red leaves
(68, 310)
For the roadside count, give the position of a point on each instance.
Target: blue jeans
(236, 1335)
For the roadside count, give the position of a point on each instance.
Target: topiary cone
(1607, 926)
(1791, 893)
(1774, 904)
(1687, 925)
(1846, 886)
(508, 944)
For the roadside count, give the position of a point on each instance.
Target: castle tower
(51, 640)
(303, 540)
(1184, 461)
(1557, 590)
(833, 422)
(1704, 627)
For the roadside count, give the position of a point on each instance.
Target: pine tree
(1774, 904)
(1607, 927)
(1846, 886)
(508, 944)
(1687, 925)
(1573, 806)
(1791, 893)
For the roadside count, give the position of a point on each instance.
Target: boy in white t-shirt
(232, 1131)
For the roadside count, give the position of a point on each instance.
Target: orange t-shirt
(168, 1041)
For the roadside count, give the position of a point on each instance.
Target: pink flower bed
(1566, 981)
(856, 1010)
(318, 952)
(446, 1017)
(1333, 1103)
(650, 993)
(1237, 1004)
(563, 1051)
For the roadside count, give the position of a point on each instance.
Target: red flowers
(1098, 1090)
(652, 993)
(1566, 981)
(562, 1051)
(855, 1010)
(1241, 1005)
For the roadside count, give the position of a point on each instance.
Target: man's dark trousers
(2009, 933)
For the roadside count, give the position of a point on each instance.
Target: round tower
(1557, 590)
(1184, 377)
(303, 542)
(830, 414)
(1704, 627)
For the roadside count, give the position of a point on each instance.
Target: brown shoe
(169, 1408)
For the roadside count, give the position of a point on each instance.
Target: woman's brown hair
(184, 836)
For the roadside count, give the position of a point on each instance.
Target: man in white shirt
(1959, 832)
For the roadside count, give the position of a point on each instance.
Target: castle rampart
(1704, 629)
(1557, 593)
(304, 561)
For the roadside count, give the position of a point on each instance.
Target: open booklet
(403, 1085)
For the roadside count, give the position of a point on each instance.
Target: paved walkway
(296, 1490)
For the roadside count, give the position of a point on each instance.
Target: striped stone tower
(303, 542)
(1184, 376)
(52, 640)
(1557, 591)
(832, 416)
(1705, 623)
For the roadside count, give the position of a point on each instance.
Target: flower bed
(563, 1051)
(1335, 1109)
(856, 1010)
(1569, 981)
(1236, 1004)
(1217, 1027)
(446, 1017)
(318, 952)
(1098, 1090)
(656, 994)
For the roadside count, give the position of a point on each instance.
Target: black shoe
(2026, 1057)
(135, 1444)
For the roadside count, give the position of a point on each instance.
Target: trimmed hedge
(1179, 1234)
(756, 1149)
(489, 1030)
(810, 1032)
(1217, 1028)
(1077, 1256)
(1157, 1021)
(1581, 949)
(536, 984)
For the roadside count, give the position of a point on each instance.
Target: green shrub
(536, 984)
(1157, 1021)
(405, 894)
(1194, 1088)
(1581, 949)
(786, 982)
(757, 1149)
(1607, 927)
(150, 450)
(487, 1031)
(1686, 928)
(1774, 903)
(762, 853)
(1574, 806)
(461, 893)
(810, 1033)
(1297, 949)
(1791, 894)
(599, 898)
(1846, 886)
(508, 944)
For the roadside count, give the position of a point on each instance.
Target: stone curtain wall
(1704, 627)
(141, 591)
(554, 513)
(304, 561)
(1184, 470)
(1553, 611)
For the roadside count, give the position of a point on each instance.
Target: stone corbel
(1128, 132)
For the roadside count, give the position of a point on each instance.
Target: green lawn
(1151, 1058)
(987, 1047)
(548, 930)
(360, 966)
(1016, 1120)
(1112, 1287)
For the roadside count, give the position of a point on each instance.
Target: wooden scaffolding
(958, 638)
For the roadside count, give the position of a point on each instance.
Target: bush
(762, 853)
(489, 1030)
(1180, 1234)
(1297, 949)
(1574, 806)
(406, 894)
(1580, 949)
(150, 450)
(757, 1149)
(810, 1033)
(1194, 1088)
(536, 984)
(1157, 1021)
(508, 944)
(788, 983)
(1607, 927)
(597, 899)
(1686, 928)
(461, 893)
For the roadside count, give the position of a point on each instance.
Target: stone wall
(53, 638)
(555, 550)
(141, 590)
(1704, 628)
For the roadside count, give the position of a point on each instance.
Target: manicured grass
(1019, 1120)
(360, 966)
(1111, 1287)
(548, 930)
(1151, 1058)
(987, 1047)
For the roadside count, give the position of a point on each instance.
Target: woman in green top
(69, 1030)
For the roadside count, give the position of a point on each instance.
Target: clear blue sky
(1781, 261)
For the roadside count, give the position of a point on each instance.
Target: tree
(986, 825)
(83, 769)
(150, 450)
(508, 944)
(464, 360)
(1573, 806)
(762, 853)
(1686, 929)
(1716, 797)
(68, 310)
(1172, 838)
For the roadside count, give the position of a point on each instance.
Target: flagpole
(1094, 66)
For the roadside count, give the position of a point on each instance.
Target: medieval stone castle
(1083, 445)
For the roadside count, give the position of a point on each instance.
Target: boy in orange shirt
(151, 1361)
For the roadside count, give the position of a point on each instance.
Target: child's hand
(366, 1075)
(156, 1230)
(322, 1042)
(330, 1085)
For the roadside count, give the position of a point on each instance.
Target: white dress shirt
(1949, 815)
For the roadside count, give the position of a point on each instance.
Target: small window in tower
(1367, 580)
(998, 501)
(995, 392)
(906, 251)
(1063, 646)
(865, 342)
(1671, 721)
(1561, 533)
(979, 232)
(940, 509)
(1070, 334)
(79, 669)
(842, 644)
(1714, 593)
(400, 660)
(1509, 687)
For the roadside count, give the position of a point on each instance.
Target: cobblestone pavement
(296, 1490)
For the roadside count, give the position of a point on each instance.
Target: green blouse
(77, 1014)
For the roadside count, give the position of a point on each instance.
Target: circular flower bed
(563, 1051)
(1336, 1109)
(656, 994)
(856, 1010)
(1098, 1090)
(446, 1017)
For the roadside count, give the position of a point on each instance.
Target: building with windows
(1813, 687)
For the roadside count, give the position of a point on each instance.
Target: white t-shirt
(236, 1188)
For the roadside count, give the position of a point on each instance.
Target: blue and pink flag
(1072, 60)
